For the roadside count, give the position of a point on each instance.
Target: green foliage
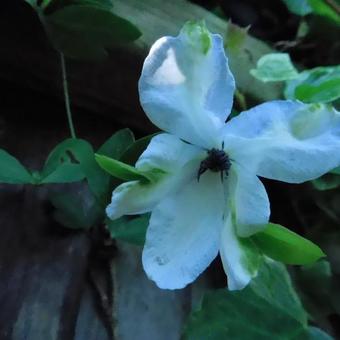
(318, 85)
(120, 170)
(70, 161)
(117, 144)
(65, 173)
(73, 160)
(83, 210)
(317, 288)
(274, 67)
(283, 245)
(321, 84)
(62, 165)
(132, 153)
(235, 37)
(84, 29)
(268, 307)
(79, 156)
(122, 167)
(129, 230)
(76, 210)
(318, 7)
(12, 171)
(33, 3)
(299, 7)
(52, 5)
(321, 7)
(127, 172)
(327, 182)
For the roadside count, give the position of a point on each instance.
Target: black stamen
(217, 161)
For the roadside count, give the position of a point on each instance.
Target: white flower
(186, 89)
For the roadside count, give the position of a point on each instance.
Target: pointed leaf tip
(198, 35)
(284, 245)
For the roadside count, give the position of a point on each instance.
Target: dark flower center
(217, 161)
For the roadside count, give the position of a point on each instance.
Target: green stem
(67, 96)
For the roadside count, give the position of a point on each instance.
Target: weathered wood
(27, 58)
(144, 311)
(45, 291)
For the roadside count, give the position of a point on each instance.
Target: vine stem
(67, 96)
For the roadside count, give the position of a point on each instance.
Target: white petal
(186, 88)
(248, 200)
(135, 197)
(184, 231)
(240, 257)
(285, 140)
(167, 152)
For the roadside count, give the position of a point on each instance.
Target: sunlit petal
(248, 200)
(186, 87)
(184, 231)
(285, 140)
(168, 153)
(137, 197)
(240, 257)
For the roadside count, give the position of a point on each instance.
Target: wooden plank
(45, 292)
(110, 87)
(144, 311)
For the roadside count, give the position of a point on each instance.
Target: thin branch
(67, 96)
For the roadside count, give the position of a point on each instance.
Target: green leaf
(33, 3)
(283, 245)
(299, 7)
(327, 182)
(236, 36)
(132, 153)
(120, 170)
(324, 9)
(62, 165)
(117, 144)
(12, 171)
(321, 84)
(129, 230)
(51, 6)
(335, 171)
(76, 210)
(80, 154)
(85, 31)
(274, 67)
(65, 173)
(274, 285)
(315, 285)
(268, 306)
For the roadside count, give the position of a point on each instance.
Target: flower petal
(285, 140)
(168, 153)
(137, 197)
(179, 161)
(184, 231)
(186, 87)
(240, 257)
(248, 200)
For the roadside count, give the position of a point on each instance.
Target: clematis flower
(207, 198)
